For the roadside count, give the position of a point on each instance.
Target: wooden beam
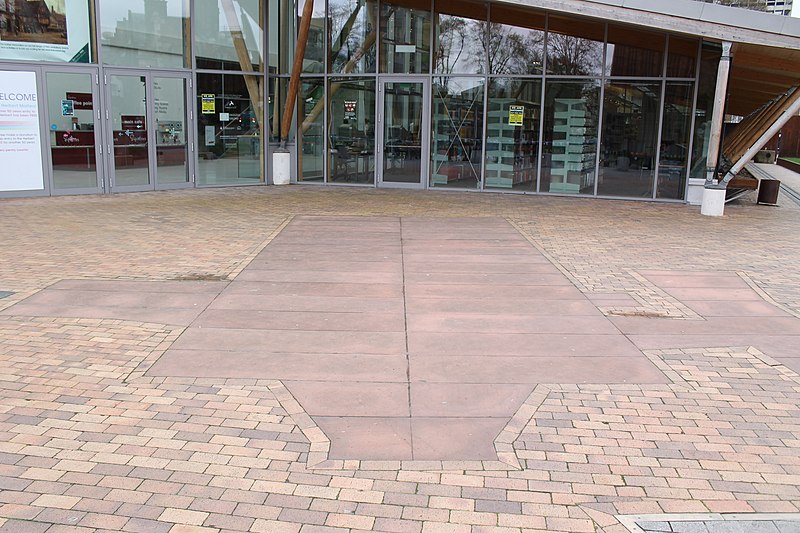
(297, 67)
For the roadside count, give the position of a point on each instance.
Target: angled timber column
(714, 193)
(297, 68)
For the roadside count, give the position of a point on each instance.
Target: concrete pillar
(281, 167)
(711, 193)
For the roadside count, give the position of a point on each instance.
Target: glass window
(72, 141)
(682, 58)
(143, 33)
(278, 89)
(314, 58)
(512, 133)
(628, 144)
(405, 37)
(516, 41)
(281, 33)
(457, 132)
(353, 26)
(229, 34)
(310, 130)
(47, 30)
(228, 129)
(633, 52)
(574, 47)
(675, 140)
(460, 38)
(709, 63)
(571, 113)
(351, 130)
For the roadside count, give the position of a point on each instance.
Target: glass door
(148, 125)
(404, 132)
(73, 141)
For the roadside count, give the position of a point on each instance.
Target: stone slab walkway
(94, 438)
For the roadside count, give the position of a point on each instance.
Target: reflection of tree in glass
(573, 56)
(350, 27)
(454, 32)
(511, 51)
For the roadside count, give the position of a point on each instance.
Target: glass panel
(351, 131)
(45, 30)
(405, 37)
(633, 52)
(682, 58)
(310, 131)
(402, 135)
(675, 140)
(457, 132)
(229, 34)
(512, 133)
(278, 89)
(574, 47)
(516, 41)
(144, 33)
(72, 142)
(228, 130)
(128, 108)
(460, 38)
(314, 58)
(282, 22)
(352, 25)
(705, 108)
(169, 96)
(628, 144)
(571, 113)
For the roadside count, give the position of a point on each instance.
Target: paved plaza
(308, 359)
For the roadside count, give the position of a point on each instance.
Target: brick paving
(92, 442)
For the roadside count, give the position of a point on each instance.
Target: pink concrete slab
(476, 260)
(182, 287)
(455, 438)
(291, 341)
(313, 257)
(487, 277)
(318, 367)
(324, 398)
(342, 321)
(532, 370)
(678, 280)
(351, 290)
(716, 294)
(429, 290)
(792, 363)
(520, 344)
(337, 249)
(327, 265)
(155, 300)
(520, 306)
(308, 303)
(717, 325)
(520, 269)
(776, 346)
(509, 323)
(464, 246)
(467, 399)
(735, 309)
(462, 234)
(370, 438)
(170, 317)
(304, 276)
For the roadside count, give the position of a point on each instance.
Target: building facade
(100, 96)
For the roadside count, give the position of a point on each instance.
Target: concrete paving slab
(443, 439)
(368, 438)
(305, 321)
(333, 399)
(509, 323)
(470, 400)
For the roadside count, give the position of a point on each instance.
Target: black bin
(768, 192)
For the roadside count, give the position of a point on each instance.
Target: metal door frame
(150, 122)
(425, 152)
(99, 139)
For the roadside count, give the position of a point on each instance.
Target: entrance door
(149, 126)
(403, 132)
(74, 142)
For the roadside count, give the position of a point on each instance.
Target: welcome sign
(20, 139)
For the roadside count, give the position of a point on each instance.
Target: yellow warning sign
(208, 104)
(516, 115)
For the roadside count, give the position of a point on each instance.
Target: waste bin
(768, 192)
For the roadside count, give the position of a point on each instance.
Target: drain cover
(713, 523)
(5, 294)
